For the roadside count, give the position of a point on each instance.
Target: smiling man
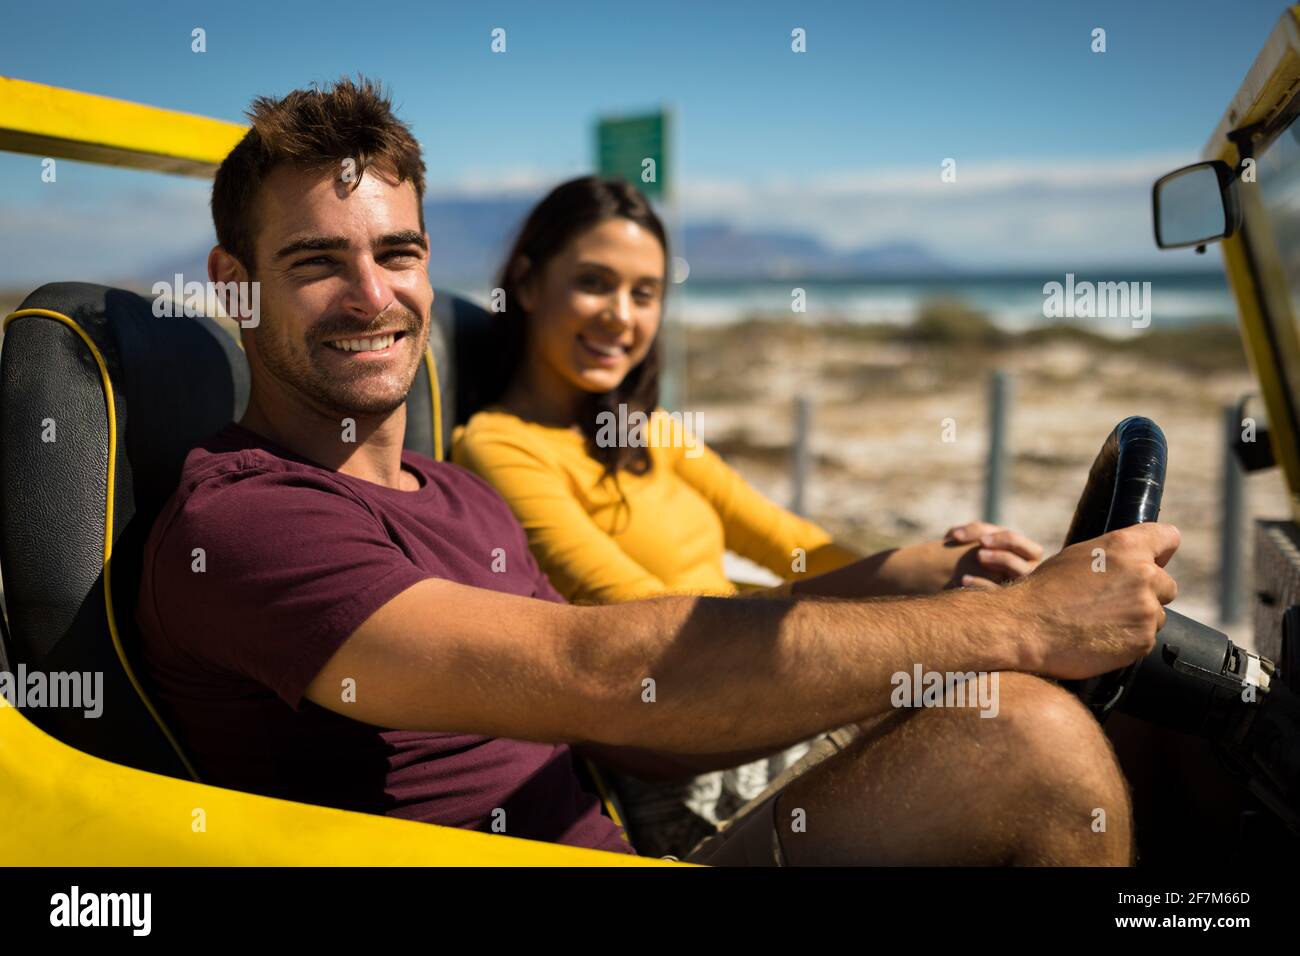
(325, 616)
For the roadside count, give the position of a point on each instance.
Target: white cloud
(100, 237)
(517, 180)
(994, 214)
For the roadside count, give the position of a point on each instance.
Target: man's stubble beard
(295, 370)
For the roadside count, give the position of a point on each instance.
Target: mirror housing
(1195, 205)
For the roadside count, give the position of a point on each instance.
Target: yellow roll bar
(1273, 348)
(49, 121)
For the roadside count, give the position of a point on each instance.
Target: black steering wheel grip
(1124, 488)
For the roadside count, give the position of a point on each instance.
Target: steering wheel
(1124, 488)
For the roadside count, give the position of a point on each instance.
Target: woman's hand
(985, 555)
(978, 554)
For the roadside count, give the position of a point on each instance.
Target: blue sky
(1055, 145)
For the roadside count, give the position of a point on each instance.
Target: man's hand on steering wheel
(1096, 606)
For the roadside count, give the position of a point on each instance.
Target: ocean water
(1012, 301)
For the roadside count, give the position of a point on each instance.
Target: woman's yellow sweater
(669, 537)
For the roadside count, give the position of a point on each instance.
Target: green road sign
(636, 148)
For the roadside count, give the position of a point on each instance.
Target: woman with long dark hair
(615, 513)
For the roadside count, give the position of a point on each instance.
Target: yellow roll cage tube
(1250, 256)
(69, 808)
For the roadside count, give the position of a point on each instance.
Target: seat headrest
(100, 401)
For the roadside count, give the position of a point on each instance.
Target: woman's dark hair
(569, 210)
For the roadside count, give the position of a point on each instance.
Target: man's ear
(223, 267)
(227, 273)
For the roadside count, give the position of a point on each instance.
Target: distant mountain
(721, 251)
(469, 237)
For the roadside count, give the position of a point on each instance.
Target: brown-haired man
(350, 643)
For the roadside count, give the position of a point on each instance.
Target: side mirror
(1195, 205)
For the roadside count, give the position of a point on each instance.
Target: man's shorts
(752, 835)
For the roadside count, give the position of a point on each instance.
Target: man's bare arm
(724, 675)
(728, 675)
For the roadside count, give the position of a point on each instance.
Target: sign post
(635, 148)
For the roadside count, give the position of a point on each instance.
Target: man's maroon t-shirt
(294, 557)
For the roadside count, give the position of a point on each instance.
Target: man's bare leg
(946, 786)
